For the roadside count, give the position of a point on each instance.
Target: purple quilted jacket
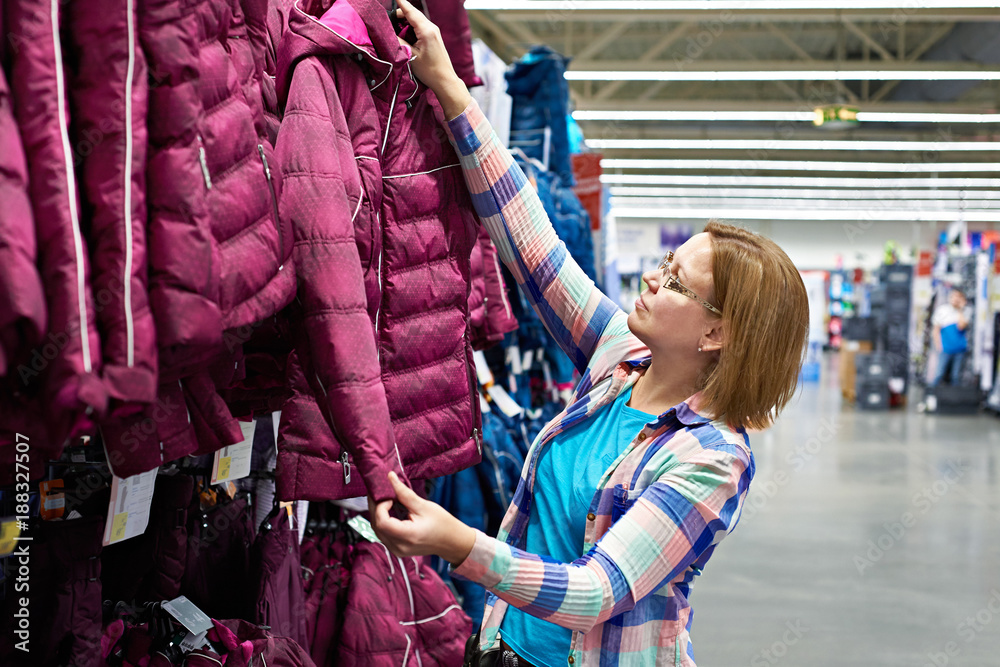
(64, 368)
(383, 230)
(109, 91)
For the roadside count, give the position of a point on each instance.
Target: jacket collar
(686, 412)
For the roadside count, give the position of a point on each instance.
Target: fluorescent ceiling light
(789, 145)
(803, 165)
(798, 204)
(798, 181)
(782, 116)
(804, 214)
(805, 193)
(784, 75)
(718, 5)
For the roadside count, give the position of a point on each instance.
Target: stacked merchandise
(875, 356)
(217, 227)
(892, 324)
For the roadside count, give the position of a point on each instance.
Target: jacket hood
(347, 27)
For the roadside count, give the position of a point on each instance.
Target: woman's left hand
(430, 529)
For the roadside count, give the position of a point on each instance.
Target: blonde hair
(765, 315)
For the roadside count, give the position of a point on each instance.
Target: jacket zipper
(474, 399)
(274, 206)
(203, 161)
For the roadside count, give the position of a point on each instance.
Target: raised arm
(573, 310)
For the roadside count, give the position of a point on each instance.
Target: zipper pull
(203, 159)
(479, 441)
(263, 158)
(347, 467)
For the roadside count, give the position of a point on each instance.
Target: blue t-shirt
(568, 472)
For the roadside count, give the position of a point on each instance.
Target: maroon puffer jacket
(22, 304)
(109, 92)
(383, 232)
(66, 363)
(256, 277)
(496, 317)
(183, 260)
(399, 612)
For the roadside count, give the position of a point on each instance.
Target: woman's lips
(640, 305)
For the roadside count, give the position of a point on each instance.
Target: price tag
(504, 401)
(233, 462)
(118, 527)
(8, 534)
(483, 372)
(189, 615)
(364, 528)
(128, 509)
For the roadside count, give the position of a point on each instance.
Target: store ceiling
(946, 56)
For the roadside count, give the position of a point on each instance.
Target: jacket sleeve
(317, 158)
(573, 310)
(22, 301)
(684, 513)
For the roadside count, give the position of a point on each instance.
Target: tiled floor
(869, 538)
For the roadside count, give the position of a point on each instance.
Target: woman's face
(668, 321)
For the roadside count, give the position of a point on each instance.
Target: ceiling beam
(867, 39)
(502, 42)
(939, 33)
(607, 38)
(650, 54)
(805, 55)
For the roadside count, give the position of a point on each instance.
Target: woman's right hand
(431, 64)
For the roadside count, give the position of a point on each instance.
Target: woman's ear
(714, 338)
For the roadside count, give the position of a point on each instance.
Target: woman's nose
(652, 278)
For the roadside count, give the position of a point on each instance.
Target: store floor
(868, 539)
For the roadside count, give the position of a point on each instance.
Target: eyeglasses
(671, 283)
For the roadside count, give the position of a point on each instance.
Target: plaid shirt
(661, 507)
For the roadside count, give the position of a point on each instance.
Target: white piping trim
(406, 656)
(127, 278)
(416, 86)
(420, 173)
(432, 618)
(326, 27)
(208, 657)
(392, 567)
(361, 195)
(365, 157)
(74, 215)
(416, 652)
(503, 288)
(409, 591)
(388, 121)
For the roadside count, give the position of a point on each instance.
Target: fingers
(412, 15)
(404, 494)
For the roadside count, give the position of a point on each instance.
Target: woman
(626, 493)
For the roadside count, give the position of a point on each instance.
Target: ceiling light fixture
(785, 75)
(825, 205)
(789, 145)
(717, 5)
(804, 193)
(781, 116)
(804, 214)
(804, 165)
(798, 181)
